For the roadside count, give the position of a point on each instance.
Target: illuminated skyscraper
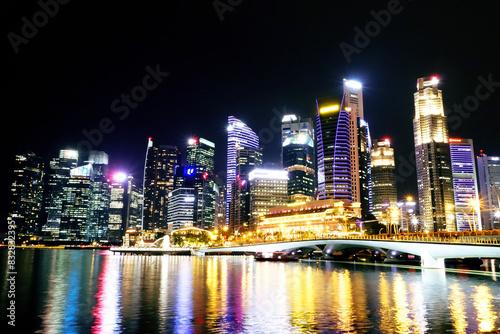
(239, 137)
(298, 158)
(158, 182)
(383, 172)
(333, 147)
(432, 154)
(468, 216)
(58, 176)
(181, 207)
(268, 188)
(201, 153)
(25, 206)
(100, 197)
(488, 169)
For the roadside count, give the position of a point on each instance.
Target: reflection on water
(90, 291)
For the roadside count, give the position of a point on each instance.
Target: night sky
(262, 56)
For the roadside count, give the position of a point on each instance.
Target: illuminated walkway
(432, 251)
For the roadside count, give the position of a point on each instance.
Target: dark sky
(263, 56)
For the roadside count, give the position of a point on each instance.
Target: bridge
(432, 251)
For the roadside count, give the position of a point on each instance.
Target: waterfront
(94, 291)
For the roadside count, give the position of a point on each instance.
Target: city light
(119, 176)
(192, 141)
(329, 109)
(353, 84)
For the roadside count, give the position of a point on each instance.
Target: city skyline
(227, 74)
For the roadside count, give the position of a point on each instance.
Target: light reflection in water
(385, 310)
(402, 319)
(486, 315)
(184, 298)
(343, 300)
(457, 308)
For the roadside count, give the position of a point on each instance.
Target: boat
(276, 256)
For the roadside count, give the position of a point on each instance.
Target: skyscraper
(58, 176)
(465, 186)
(488, 170)
(25, 206)
(159, 170)
(333, 147)
(239, 136)
(181, 206)
(268, 188)
(298, 157)
(99, 196)
(432, 154)
(201, 153)
(383, 172)
(364, 167)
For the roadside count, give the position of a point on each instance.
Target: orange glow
(454, 140)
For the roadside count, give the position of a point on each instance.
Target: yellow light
(328, 109)
(409, 198)
(225, 228)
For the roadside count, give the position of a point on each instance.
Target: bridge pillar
(429, 262)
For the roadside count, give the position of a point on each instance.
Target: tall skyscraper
(160, 165)
(383, 172)
(333, 147)
(201, 153)
(364, 167)
(488, 169)
(75, 217)
(268, 188)
(58, 176)
(134, 204)
(298, 157)
(465, 186)
(100, 196)
(25, 206)
(239, 137)
(432, 154)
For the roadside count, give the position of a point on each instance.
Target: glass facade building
(383, 173)
(181, 208)
(433, 162)
(488, 168)
(465, 186)
(298, 157)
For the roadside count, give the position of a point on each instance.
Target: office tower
(488, 169)
(25, 206)
(57, 178)
(181, 208)
(158, 182)
(206, 193)
(298, 157)
(239, 137)
(364, 167)
(406, 215)
(268, 188)
(333, 149)
(76, 204)
(134, 204)
(383, 174)
(100, 196)
(432, 154)
(201, 157)
(220, 207)
(201, 153)
(465, 186)
(117, 207)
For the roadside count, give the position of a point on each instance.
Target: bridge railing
(468, 240)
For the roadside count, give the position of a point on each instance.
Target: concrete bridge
(432, 253)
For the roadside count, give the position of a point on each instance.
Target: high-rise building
(134, 204)
(100, 197)
(268, 188)
(57, 178)
(298, 157)
(159, 170)
(25, 206)
(333, 149)
(465, 187)
(364, 167)
(242, 142)
(181, 208)
(201, 153)
(75, 215)
(488, 169)
(432, 154)
(383, 173)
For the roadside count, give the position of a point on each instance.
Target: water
(85, 291)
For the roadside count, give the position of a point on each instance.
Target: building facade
(383, 174)
(182, 207)
(488, 170)
(298, 157)
(465, 185)
(432, 154)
